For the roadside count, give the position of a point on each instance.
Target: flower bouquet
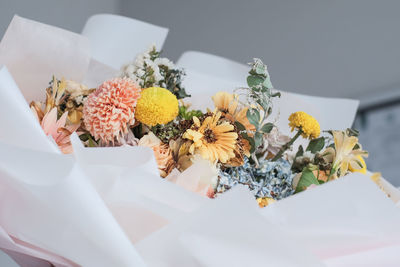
(150, 177)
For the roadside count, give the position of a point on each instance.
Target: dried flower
(162, 153)
(57, 129)
(150, 70)
(270, 179)
(274, 140)
(214, 139)
(109, 111)
(228, 104)
(265, 201)
(304, 122)
(347, 153)
(156, 106)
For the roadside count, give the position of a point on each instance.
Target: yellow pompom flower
(156, 105)
(306, 123)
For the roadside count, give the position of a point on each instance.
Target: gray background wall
(341, 48)
(319, 47)
(345, 48)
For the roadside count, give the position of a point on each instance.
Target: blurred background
(335, 48)
(338, 48)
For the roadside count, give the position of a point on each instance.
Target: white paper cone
(127, 178)
(18, 124)
(116, 40)
(34, 52)
(346, 216)
(48, 202)
(227, 232)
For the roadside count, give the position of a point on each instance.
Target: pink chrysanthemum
(109, 111)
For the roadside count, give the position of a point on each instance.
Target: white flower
(74, 88)
(274, 140)
(79, 99)
(140, 72)
(164, 62)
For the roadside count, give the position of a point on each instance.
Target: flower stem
(287, 146)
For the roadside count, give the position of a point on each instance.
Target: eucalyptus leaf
(253, 81)
(258, 139)
(253, 115)
(260, 69)
(267, 83)
(240, 126)
(267, 128)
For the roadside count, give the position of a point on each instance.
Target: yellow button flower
(308, 125)
(156, 105)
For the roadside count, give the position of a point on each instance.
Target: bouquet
(145, 166)
(237, 141)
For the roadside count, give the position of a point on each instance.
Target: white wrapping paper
(116, 40)
(17, 117)
(33, 52)
(346, 216)
(48, 202)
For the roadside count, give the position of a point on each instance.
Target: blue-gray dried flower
(271, 179)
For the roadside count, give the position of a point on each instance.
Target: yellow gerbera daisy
(306, 123)
(213, 139)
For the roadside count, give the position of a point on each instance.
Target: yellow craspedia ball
(156, 105)
(308, 125)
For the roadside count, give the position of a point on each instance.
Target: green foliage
(352, 132)
(267, 128)
(253, 115)
(258, 95)
(166, 132)
(240, 126)
(88, 139)
(307, 178)
(254, 81)
(186, 114)
(258, 137)
(173, 80)
(172, 77)
(316, 145)
(251, 141)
